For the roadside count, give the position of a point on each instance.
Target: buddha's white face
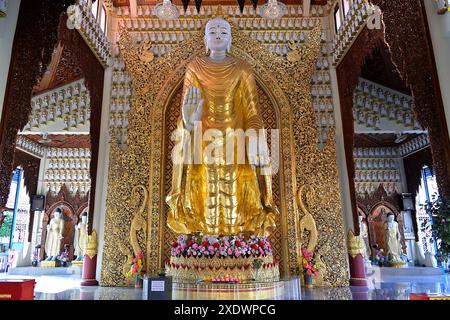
(57, 215)
(218, 35)
(84, 219)
(390, 218)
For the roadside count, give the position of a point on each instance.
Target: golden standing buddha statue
(220, 197)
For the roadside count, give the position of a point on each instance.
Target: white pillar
(101, 186)
(439, 26)
(8, 29)
(341, 157)
(37, 224)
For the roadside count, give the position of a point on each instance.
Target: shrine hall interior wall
(171, 118)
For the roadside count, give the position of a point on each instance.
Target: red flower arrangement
(310, 264)
(222, 247)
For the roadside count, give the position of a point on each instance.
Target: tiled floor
(385, 288)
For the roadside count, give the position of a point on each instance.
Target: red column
(357, 271)
(89, 271)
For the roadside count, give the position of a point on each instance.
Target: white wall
(440, 36)
(7, 31)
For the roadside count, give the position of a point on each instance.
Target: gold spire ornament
(92, 245)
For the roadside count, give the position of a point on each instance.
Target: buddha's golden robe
(222, 198)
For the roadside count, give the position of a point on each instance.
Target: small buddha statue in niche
(54, 236)
(81, 237)
(392, 239)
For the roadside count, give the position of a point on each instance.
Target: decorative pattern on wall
(30, 146)
(380, 108)
(73, 206)
(408, 37)
(92, 33)
(69, 168)
(171, 119)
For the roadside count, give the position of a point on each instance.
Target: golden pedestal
(397, 264)
(77, 263)
(50, 264)
(216, 269)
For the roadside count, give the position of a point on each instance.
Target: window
(337, 17)
(94, 8)
(103, 19)
(346, 5)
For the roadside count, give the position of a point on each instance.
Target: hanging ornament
(255, 3)
(198, 5)
(185, 4)
(241, 5)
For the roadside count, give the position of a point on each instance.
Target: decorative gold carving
(355, 244)
(92, 245)
(138, 223)
(301, 161)
(307, 222)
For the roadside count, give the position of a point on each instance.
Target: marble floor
(383, 288)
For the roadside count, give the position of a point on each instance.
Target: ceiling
(79, 141)
(120, 3)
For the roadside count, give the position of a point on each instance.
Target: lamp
(273, 10)
(3, 8)
(166, 10)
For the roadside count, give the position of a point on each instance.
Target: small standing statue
(392, 239)
(81, 237)
(365, 236)
(54, 236)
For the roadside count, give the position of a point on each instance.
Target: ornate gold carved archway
(287, 84)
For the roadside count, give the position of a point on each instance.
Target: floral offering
(310, 265)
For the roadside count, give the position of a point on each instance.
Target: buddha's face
(218, 35)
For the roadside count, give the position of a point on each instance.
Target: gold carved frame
(288, 84)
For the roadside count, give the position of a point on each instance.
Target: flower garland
(222, 247)
(310, 264)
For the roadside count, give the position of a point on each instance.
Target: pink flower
(230, 251)
(308, 272)
(211, 248)
(195, 246)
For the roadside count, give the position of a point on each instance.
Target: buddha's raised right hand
(192, 107)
